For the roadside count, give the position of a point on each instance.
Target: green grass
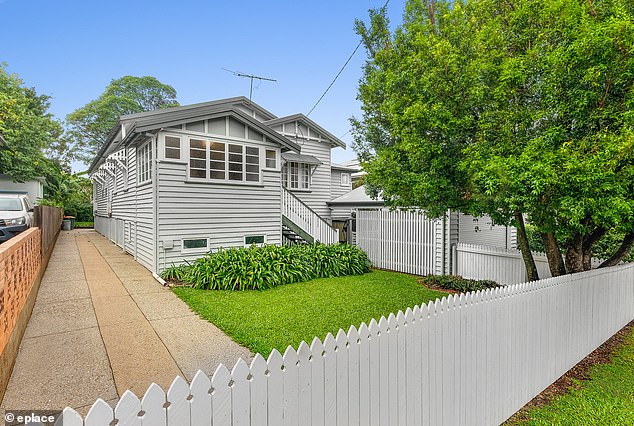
(286, 315)
(606, 399)
(84, 224)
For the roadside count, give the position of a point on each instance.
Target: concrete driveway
(101, 325)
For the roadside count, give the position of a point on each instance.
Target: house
(173, 184)
(455, 228)
(33, 188)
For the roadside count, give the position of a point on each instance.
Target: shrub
(262, 267)
(176, 273)
(456, 282)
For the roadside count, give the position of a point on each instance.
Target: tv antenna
(251, 77)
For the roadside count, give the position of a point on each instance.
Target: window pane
(197, 153)
(235, 167)
(215, 174)
(172, 142)
(253, 168)
(285, 175)
(197, 164)
(235, 176)
(253, 151)
(237, 158)
(173, 153)
(254, 239)
(217, 165)
(294, 175)
(194, 244)
(253, 177)
(305, 174)
(217, 146)
(218, 156)
(197, 173)
(196, 143)
(271, 159)
(235, 148)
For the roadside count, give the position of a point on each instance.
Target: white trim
(163, 147)
(198, 250)
(140, 160)
(244, 240)
(208, 140)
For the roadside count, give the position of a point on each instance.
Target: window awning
(299, 158)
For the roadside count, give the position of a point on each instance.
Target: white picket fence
(399, 240)
(473, 359)
(500, 265)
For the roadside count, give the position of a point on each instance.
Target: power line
(341, 70)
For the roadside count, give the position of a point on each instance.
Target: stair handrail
(330, 234)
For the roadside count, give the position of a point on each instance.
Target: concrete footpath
(101, 325)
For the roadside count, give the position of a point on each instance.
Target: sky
(71, 50)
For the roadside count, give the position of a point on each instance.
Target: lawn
(286, 315)
(606, 399)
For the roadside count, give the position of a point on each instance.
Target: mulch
(579, 373)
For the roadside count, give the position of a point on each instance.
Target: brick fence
(23, 260)
(20, 263)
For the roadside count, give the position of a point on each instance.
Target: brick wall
(20, 260)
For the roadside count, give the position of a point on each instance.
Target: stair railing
(306, 218)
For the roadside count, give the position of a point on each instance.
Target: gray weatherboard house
(173, 184)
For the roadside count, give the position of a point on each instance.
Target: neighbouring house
(33, 188)
(410, 242)
(173, 184)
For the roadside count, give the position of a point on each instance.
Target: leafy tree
(27, 127)
(89, 125)
(71, 192)
(509, 108)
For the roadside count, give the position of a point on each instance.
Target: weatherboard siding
(134, 206)
(337, 190)
(319, 193)
(481, 231)
(224, 213)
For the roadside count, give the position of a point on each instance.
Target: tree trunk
(621, 252)
(574, 255)
(586, 247)
(553, 254)
(527, 255)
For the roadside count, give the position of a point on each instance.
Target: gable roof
(132, 125)
(344, 168)
(238, 100)
(334, 141)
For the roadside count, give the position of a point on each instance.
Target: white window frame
(266, 159)
(245, 156)
(198, 250)
(254, 235)
(346, 181)
(287, 176)
(144, 163)
(166, 148)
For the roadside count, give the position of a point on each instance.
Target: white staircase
(301, 223)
